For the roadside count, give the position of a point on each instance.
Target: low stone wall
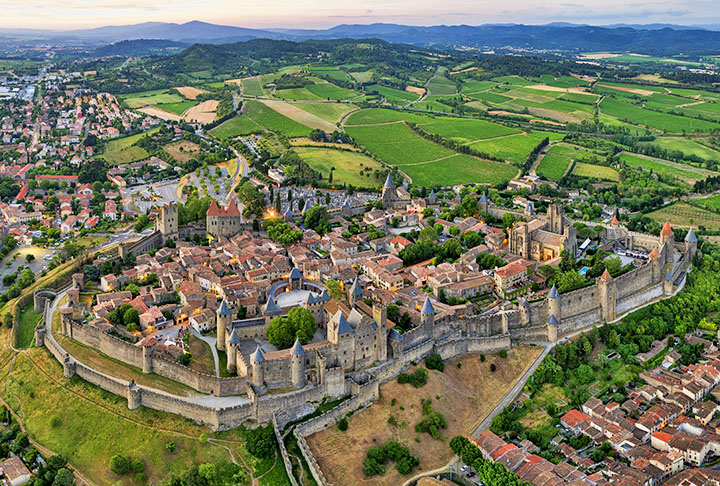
(283, 452)
(366, 395)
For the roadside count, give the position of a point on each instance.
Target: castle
(543, 239)
(394, 197)
(224, 220)
(355, 347)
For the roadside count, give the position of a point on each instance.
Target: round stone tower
(232, 348)
(257, 363)
(553, 303)
(297, 357)
(224, 320)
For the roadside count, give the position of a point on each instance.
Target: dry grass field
(202, 113)
(189, 92)
(182, 150)
(299, 115)
(463, 395)
(415, 89)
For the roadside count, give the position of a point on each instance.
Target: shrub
(378, 456)
(140, 478)
(55, 421)
(119, 464)
(393, 402)
(435, 362)
(417, 379)
(260, 442)
(493, 367)
(203, 438)
(482, 358)
(137, 466)
(343, 424)
(503, 353)
(170, 446)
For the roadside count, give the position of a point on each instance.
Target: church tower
(555, 219)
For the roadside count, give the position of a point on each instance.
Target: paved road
(211, 342)
(514, 391)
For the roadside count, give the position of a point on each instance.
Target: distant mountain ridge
(652, 39)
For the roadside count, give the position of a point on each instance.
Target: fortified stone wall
(131, 354)
(103, 381)
(634, 281)
(283, 451)
(364, 397)
(639, 298)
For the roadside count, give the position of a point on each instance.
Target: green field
(177, 108)
(272, 120)
(461, 130)
(595, 172)
(252, 86)
(375, 116)
(472, 86)
(327, 91)
(144, 98)
(394, 96)
(516, 148)
(637, 115)
(554, 164)
(427, 163)
(94, 424)
(465, 130)
(711, 202)
(239, 125)
(687, 147)
(680, 214)
(348, 166)
(331, 112)
(683, 173)
(329, 71)
(439, 85)
(26, 326)
(121, 150)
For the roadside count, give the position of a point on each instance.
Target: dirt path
(494, 138)
(539, 158)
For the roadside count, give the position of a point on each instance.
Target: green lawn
(348, 166)
(26, 326)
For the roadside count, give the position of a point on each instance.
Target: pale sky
(70, 14)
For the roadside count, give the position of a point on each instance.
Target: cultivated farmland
(349, 167)
(595, 172)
